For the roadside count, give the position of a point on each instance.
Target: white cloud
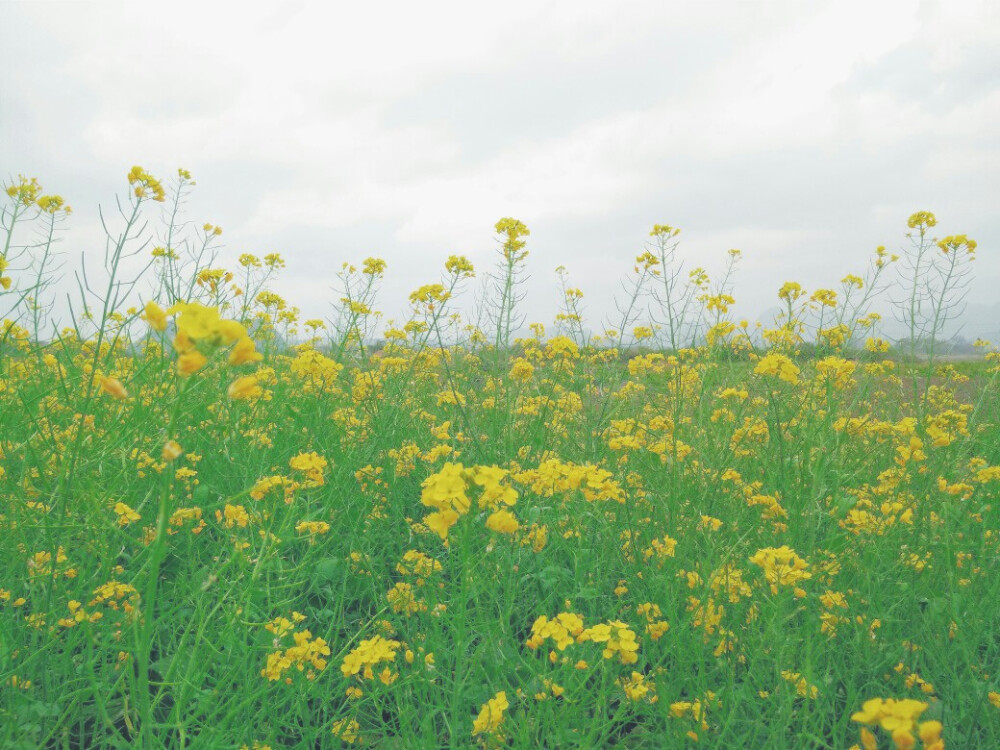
(410, 128)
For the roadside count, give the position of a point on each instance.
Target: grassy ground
(212, 540)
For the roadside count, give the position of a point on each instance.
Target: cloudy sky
(802, 133)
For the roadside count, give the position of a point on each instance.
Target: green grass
(642, 488)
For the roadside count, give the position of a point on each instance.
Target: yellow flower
(244, 352)
(190, 362)
(125, 514)
(198, 322)
(373, 267)
(244, 388)
(155, 316)
(113, 387)
(779, 366)
(346, 730)
(502, 521)
(895, 716)
(145, 185)
(172, 450)
(491, 715)
(311, 464)
(459, 265)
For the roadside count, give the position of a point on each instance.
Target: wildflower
(563, 630)
(502, 521)
(790, 291)
(171, 450)
(245, 388)
(664, 230)
(459, 265)
(899, 718)
(491, 715)
(155, 316)
(782, 566)
(310, 464)
(921, 220)
(145, 185)
(190, 362)
(307, 651)
(780, 366)
(312, 527)
(373, 267)
(113, 387)
(25, 191)
(200, 323)
(367, 654)
(346, 730)
(125, 514)
(511, 232)
(233, 515)
(402, 600)
(521, 370)
(637, 686)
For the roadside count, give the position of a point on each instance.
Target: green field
(226, 526)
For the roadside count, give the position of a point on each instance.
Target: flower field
(224, 525)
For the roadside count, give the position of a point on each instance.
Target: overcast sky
(802, 133)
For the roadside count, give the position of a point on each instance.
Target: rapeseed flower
(491, 715)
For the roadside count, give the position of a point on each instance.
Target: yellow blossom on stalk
(307, 652)
(637, 686)
(618, 639)
(511, 232)
(782, 566)
(921, 220)
(245, 388)
(190, 362)
(824, 297)
(790, 291)
(25, 191)
(521, 370)
(346, 730)
(233, 515)
(563, 629)
(802, 686)
(899, 719)
(113, 387)
(780, 366)
(459, 265)
(312, 527)
(429, 295)
(418, 564)
(125, 514)
(311, 464)
(198, 322)
(145, 185)
(502, 521)
(244, 352)
(155, 316)
(954, 244)
(402, 599)
(373, 267)
(53, 204)
(491, 715)
(646, 262)
(664, 230)
(171, 450)
(367, 654)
